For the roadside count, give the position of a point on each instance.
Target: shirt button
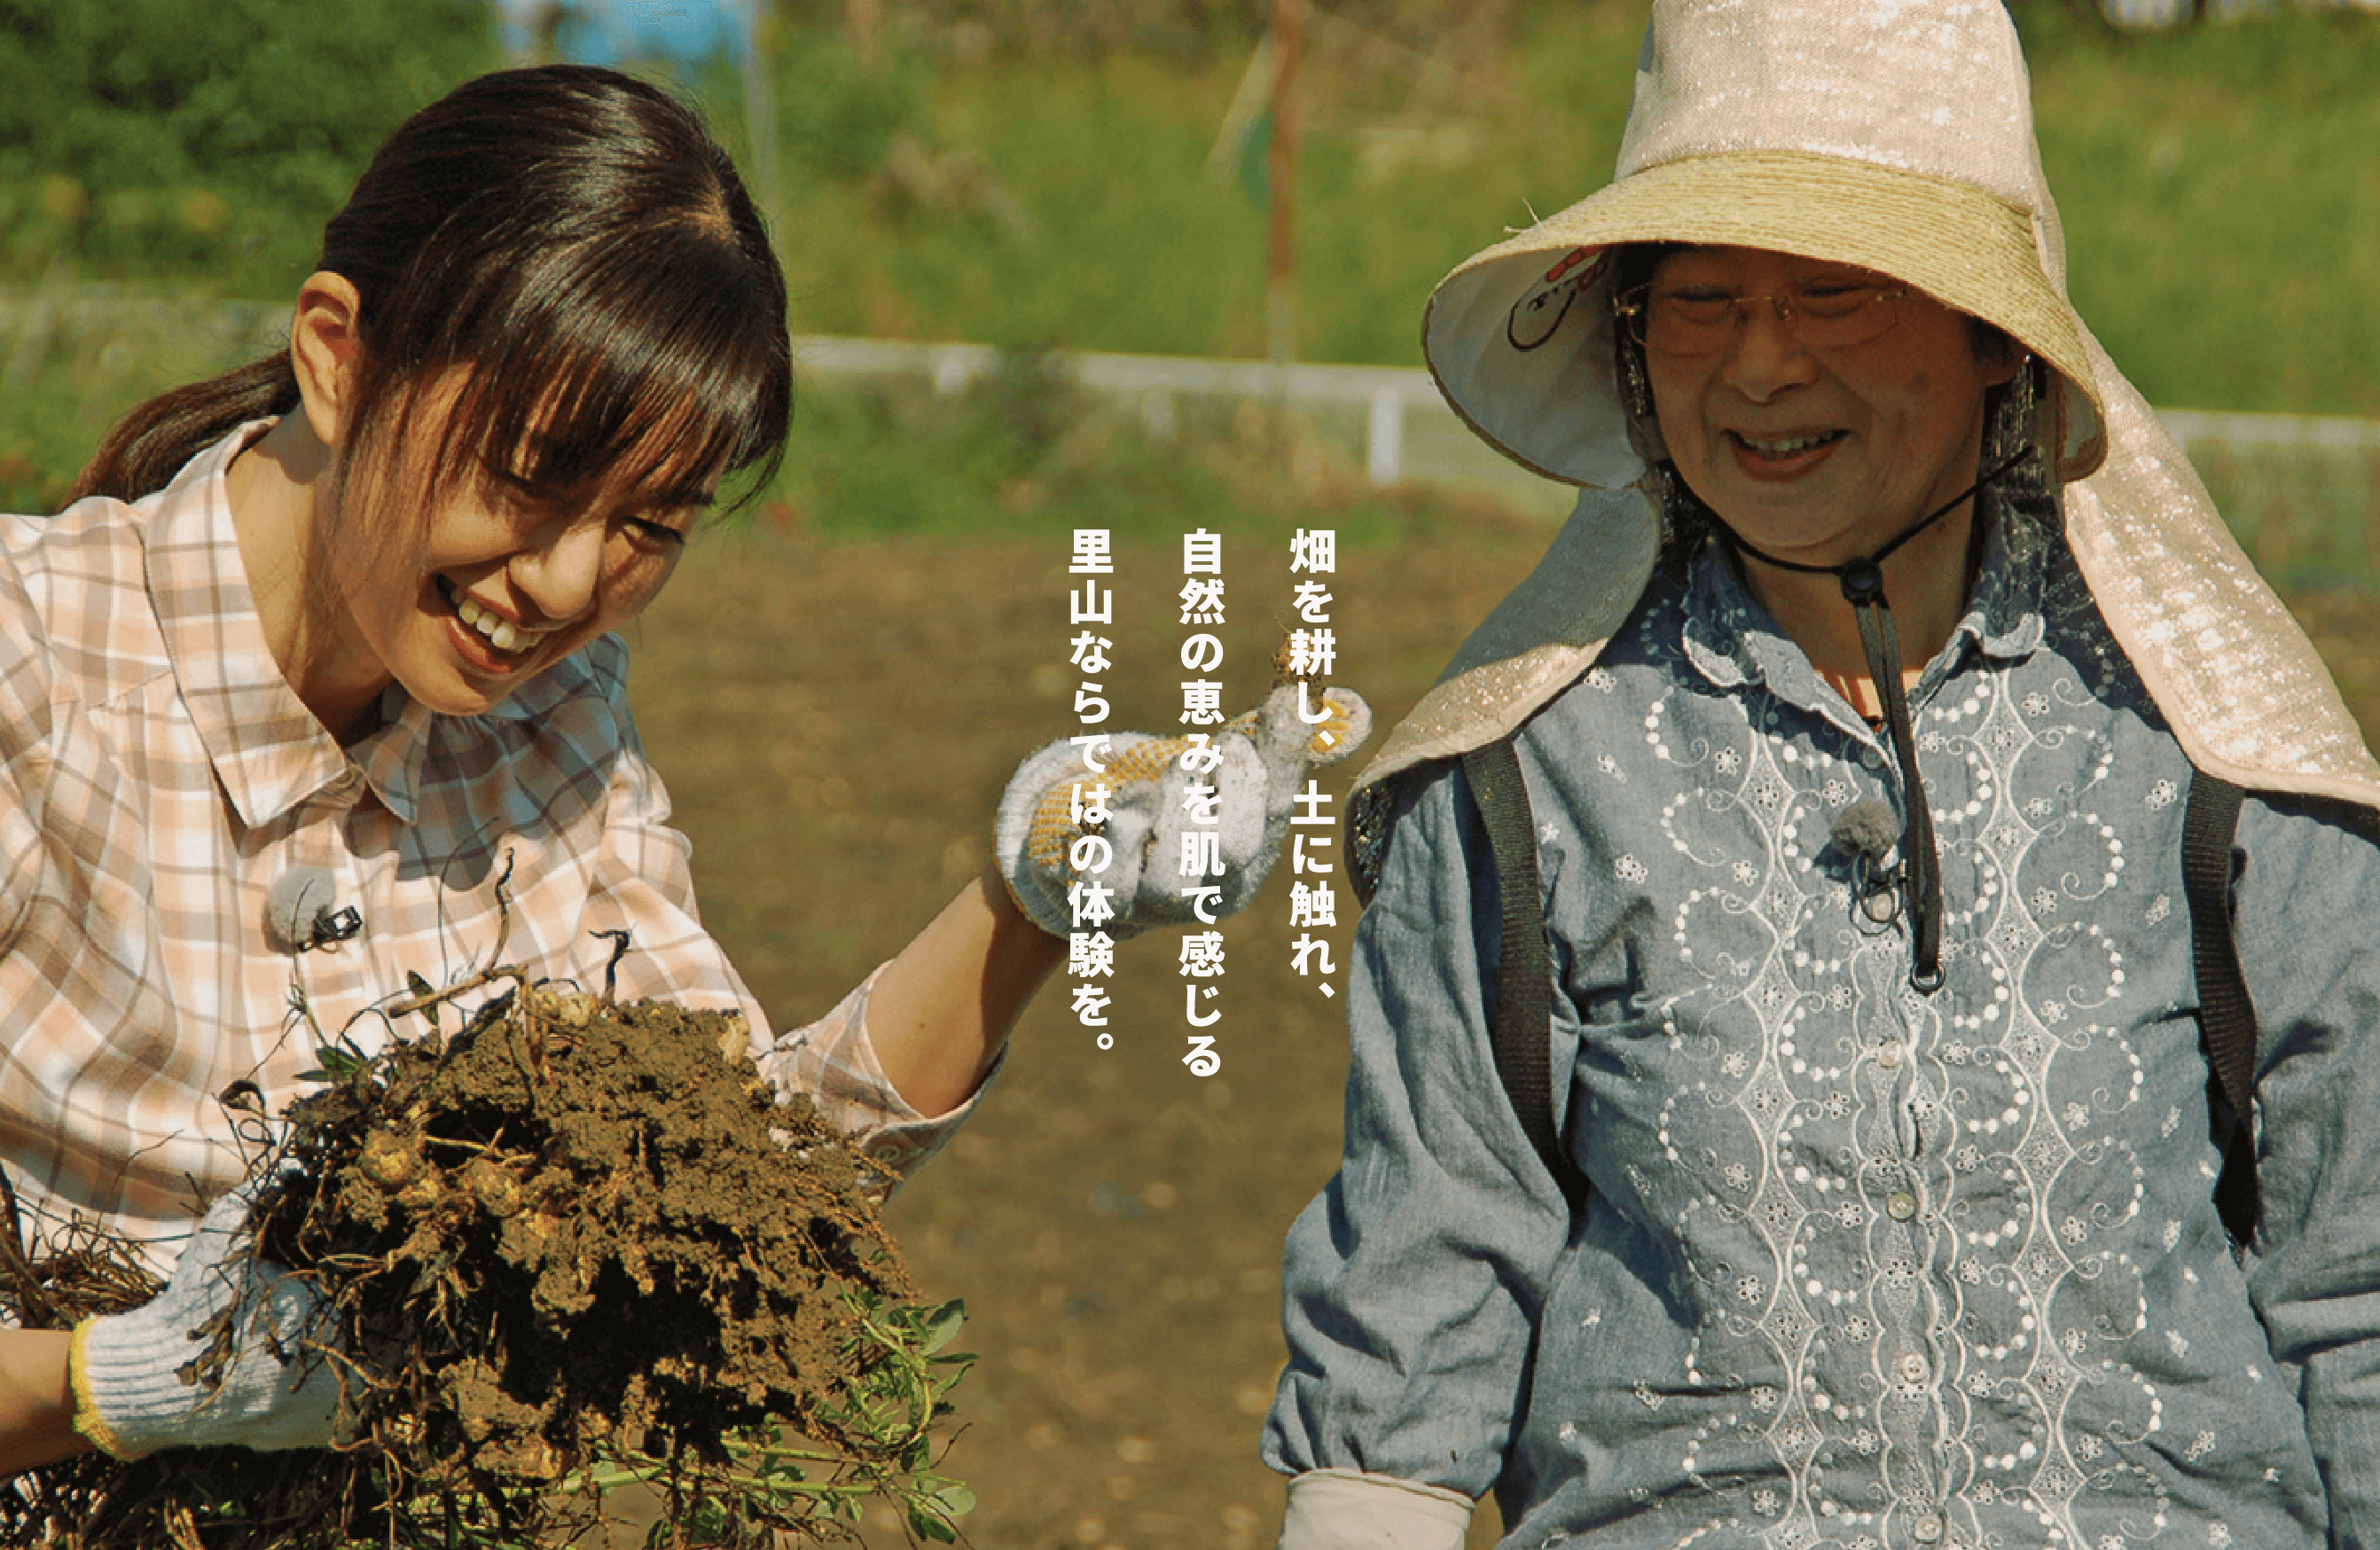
(1889, 1054)
(1901, 1205)
(1926, 1529)
(1913, 1370)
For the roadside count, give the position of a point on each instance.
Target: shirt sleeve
(2305, 902)
(644, 885)
(1414, 1281)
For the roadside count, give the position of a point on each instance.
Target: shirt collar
(1732, 641)
(268, 750)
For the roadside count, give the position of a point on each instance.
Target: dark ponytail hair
(576, 239)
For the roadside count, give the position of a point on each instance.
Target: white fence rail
(2301, 491)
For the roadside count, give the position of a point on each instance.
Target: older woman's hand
(1085, 831)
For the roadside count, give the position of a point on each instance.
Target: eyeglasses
(1821, 314)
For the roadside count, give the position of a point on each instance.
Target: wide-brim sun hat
(1895, 136)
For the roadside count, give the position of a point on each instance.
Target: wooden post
(1281, 178)
(760, 132)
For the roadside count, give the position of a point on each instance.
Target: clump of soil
(574, 1243)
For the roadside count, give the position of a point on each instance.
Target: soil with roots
(575, 1241)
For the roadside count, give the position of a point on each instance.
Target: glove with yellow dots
(1154, 831)
(230, 1354)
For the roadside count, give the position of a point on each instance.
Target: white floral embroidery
(1797, 1093)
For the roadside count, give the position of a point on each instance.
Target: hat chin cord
(1862, 584)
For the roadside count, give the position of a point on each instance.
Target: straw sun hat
(1895, 135)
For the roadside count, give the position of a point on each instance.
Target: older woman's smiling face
(1819, 455)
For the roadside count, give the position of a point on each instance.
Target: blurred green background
(1034, 174)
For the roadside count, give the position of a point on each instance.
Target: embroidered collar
(1727, 636)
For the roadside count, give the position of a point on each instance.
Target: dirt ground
(836, 722)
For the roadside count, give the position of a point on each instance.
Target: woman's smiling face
(497, 581)
(1819, 455)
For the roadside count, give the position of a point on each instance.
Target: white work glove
(1346, 1509)
(276, 1388)
(1050, 838)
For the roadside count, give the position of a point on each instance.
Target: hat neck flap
(1546, 632)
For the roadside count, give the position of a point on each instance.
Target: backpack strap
(2226, 1019)
(1519, 1021)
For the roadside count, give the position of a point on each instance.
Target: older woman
(1855, 708)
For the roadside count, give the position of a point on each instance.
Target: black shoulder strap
(1521, 1018)
(2226, 1019)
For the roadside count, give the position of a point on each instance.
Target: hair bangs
(648, 360)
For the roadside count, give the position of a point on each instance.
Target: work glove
(140, 1380)
(1056, 836)
(1346, 1510)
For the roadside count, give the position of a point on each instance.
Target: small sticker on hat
(1539, 315)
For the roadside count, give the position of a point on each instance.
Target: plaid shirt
(158, 774)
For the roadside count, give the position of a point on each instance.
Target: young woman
(1856, 708)
(314, 690)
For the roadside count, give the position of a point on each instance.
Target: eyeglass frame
(1636, 316)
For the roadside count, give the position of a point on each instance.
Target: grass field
(2220, 188)
(2221, 191)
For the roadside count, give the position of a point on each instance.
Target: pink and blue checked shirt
(158, 775)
